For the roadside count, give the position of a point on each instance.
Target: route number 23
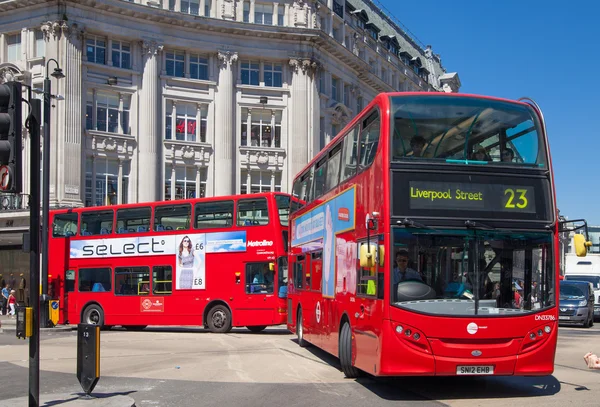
(517, 198)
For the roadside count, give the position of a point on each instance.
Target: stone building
(173, 99)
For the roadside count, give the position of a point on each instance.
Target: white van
(585, 269)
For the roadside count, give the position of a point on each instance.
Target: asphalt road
(181, 367)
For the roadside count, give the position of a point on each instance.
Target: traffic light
(10, 137)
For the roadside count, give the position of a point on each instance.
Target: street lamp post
(58, 74)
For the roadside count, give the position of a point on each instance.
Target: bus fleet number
(521, 198)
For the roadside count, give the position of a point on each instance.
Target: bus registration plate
(474, 370)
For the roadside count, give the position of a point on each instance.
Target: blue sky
(546, 50)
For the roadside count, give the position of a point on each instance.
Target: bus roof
(173, 202)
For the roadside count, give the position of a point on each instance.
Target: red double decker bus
(219, 262)
(428, 242)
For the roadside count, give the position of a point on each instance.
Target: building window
(106, 182)
(96, 50)
(207, 4)
(263, 14)
(186, 122)
(273, 74)
(280, 14)
(175, 63)
(347, 95)
(121, 54)
(13, 43)
(190, 6)
(246, 12)
(334, 88)
(250, 73)
(112, 113)
(359, 104)
(265, 128)
(184, 183)
(198, 67)
(260, 181)
(40, 44)
(322, 81)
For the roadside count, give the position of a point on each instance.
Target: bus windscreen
(466, 130)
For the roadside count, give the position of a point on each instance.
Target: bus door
(369, 314)
(260, 298)
(69, 308)
(318, 316)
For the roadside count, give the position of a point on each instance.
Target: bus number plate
(474, 370)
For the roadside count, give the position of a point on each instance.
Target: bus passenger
(508, 155)
(479, 154)
(417, 143)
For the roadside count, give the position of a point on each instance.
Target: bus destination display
(477, 197)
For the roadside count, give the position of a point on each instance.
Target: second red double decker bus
(428, 242)
(219, 262)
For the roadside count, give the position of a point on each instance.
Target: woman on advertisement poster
(185, 264)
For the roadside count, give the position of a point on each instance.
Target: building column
(248, 140)
(70, 158)
(301, 105)
(198, 135)
(121, 106)
(149, 140)
(173, 181)
(173, 120)
(224, 126)
(120, 182)
(199, 168)
(94, 179)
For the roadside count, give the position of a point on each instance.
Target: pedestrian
(4, 299)
(592, 360)
(12, 303)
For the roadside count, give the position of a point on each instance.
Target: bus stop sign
(88, 356)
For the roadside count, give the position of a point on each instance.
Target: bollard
(88, 356)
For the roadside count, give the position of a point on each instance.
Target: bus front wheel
(300, 330)
(345, 352)
(219, 319)
(93, 315)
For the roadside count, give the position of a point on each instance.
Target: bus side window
(316, 270)
(162, 280)
(94, 279)
(349, 154)
(172, 217)
(369, 139)
(135, 220)
(299, 272)
(96, 223)
(252, 212)
(64, 225)
(132, 280)
(214, 214)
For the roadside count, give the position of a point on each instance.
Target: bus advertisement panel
(440, 212)
(219, 262)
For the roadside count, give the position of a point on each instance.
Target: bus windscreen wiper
(409, 223)
(478, 225)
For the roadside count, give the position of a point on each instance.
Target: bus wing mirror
(581, 245)
(367, 255)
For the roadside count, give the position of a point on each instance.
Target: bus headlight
(399, 329)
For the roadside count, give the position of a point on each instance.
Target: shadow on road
(196, 329)
(449, 388)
